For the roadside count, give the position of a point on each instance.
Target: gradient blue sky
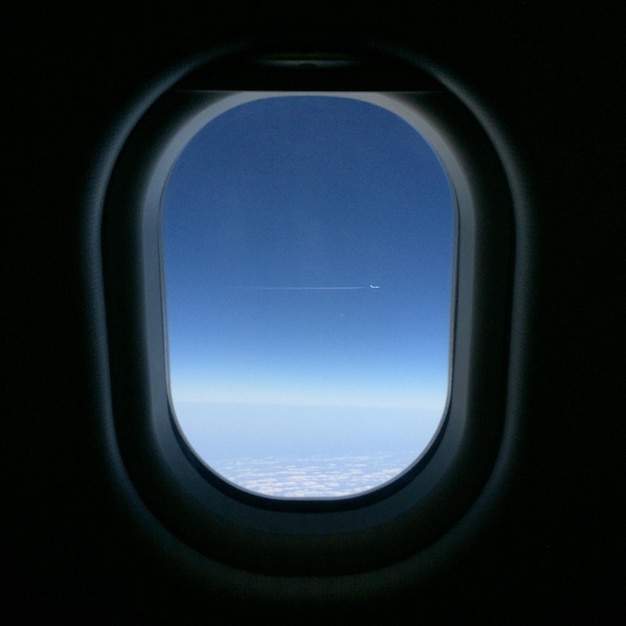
(277, 218)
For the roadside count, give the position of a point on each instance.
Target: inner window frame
(399, 106)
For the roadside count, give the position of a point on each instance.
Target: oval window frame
(307, 537)
(223, 103)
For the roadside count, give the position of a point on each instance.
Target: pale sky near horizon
(308, 248)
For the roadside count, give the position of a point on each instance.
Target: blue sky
(278, 217)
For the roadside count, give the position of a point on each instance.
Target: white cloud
(314, 477)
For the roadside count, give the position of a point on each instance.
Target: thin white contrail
(303, 288)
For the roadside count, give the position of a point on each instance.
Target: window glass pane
(308, 248)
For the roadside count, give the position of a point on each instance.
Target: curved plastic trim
(308, 537)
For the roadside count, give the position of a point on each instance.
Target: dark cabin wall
(554, 551)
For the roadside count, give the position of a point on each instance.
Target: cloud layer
(314, 477)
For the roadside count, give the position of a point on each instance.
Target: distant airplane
(374, 286)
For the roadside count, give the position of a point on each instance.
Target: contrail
(303, 288)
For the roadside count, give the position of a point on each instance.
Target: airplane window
(308, 247)
(307, 314)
